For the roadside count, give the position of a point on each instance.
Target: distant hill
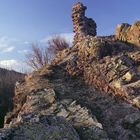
(8, 79)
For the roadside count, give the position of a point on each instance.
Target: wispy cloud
(7, 44)
(8, 49)
(3, 42)
(67, 36)
(12, 53)
(8, 63)
(23, 51)
(27, 42)
(16, 65)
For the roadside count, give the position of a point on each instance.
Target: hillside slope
(7, 88)
(89, 92)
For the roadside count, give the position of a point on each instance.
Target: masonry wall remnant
(82, 26)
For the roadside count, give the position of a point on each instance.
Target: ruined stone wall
(82, 26)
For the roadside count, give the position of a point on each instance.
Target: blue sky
(25, 21)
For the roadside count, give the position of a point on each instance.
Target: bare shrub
(56, 44)
(41, 56)
(38, 57)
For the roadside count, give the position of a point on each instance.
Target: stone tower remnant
(82, 25)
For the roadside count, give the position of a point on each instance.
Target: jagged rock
(40, 127)
(129, 33)
(43, 102)
(120, 116)
(110, 66)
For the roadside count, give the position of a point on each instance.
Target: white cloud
(9, 49)
(23, 51)
(13, 64)
(27, 42)
(3, 43)
(7, 44)
(67, 36)
(8, 63)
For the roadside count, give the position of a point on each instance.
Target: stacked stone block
(82, 25)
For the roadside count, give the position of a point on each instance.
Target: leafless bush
(56, 44)
(38, 57)
(41, 56)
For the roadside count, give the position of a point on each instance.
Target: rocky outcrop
(82, 25)
(90, 91)
(43, 109)
(129, 33)
(113, 69)
(110, 66)
(36, 127)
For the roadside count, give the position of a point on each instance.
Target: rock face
(34, 127)
(90, 91)
(82, 25)
(43, 110)
(129, 33)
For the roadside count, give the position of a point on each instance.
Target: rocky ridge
(90, 91)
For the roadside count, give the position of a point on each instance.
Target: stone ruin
(82, 25)
(83, 84)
